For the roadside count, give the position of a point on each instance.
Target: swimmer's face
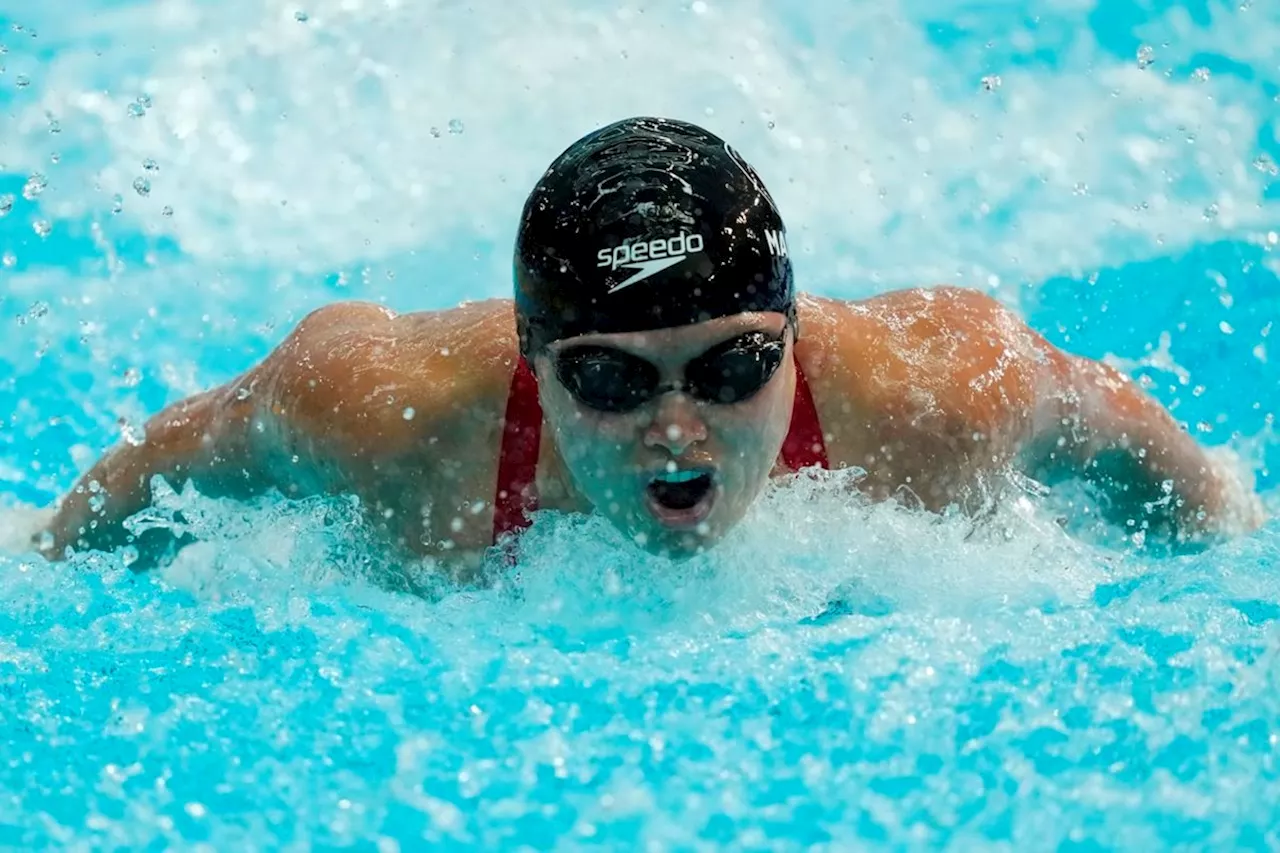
(672, 433)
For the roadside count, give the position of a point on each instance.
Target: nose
(676, 425)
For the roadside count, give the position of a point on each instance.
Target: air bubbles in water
(150, 165)
(117, 203)
(42, 227)
(1264, 163)
(34, 186)
(435, 131)
(22, 81)
(142, 186)
(1200, 75)
(1211, 212)
(6, 203)
(166, 211)
(132, 377)
(301, 16)
(9, 260)
(991, 82)
(455, 126)
(1146, 55)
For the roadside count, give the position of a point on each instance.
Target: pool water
(180, 182)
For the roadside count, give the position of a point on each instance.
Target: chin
(674, 544)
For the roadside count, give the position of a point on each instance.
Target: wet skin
(931, 391)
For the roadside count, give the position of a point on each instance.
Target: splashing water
(886, 676)
(836, 673)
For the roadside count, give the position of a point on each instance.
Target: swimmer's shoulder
(360, 371)
(941, 359)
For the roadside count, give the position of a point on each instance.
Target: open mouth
(681, 497)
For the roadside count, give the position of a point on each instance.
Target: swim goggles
(612, 380)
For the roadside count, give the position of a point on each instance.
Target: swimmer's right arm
(219, 440)
(203, 438)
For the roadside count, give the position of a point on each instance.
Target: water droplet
(54, 126)
(1200, 75)
(132, 377)
(136, 110)
(1211, 212)
(34, 186)
(455, 126)
(301, 16)
(142, 186)
(38, 310)
(242, 393)
(771, 125)
(906, 117)
(42, 227)
(409, 413)
(1146, 55)
(55, 158)
(144, 101)
(1081, 188)
(435, 131)
(6, 203)
(166, 211)
(1264, 163)
(1226, 328)
(991, 82)
(150, 165)
(133, 435)
(9, 260)
(22, 81)
(117, 203)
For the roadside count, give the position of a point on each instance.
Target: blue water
(837, 675)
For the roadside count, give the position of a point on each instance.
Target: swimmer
(655, 366)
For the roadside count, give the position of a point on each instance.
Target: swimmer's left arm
(1114, 434)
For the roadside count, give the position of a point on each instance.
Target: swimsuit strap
(517, 494)
(804, 446)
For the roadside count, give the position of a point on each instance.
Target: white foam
(18, 524)
(309, 144)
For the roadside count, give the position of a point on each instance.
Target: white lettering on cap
(649, 258)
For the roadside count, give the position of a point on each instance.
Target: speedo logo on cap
(649, 257)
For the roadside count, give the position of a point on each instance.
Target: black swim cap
(647, 223)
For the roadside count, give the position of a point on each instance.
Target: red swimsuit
(517, 493)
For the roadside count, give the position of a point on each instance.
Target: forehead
(681, 342)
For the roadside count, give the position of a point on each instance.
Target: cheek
(585, 436)
(754, 427)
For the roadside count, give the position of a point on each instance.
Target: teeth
(679, 476)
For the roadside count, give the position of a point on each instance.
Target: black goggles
(613, 380)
